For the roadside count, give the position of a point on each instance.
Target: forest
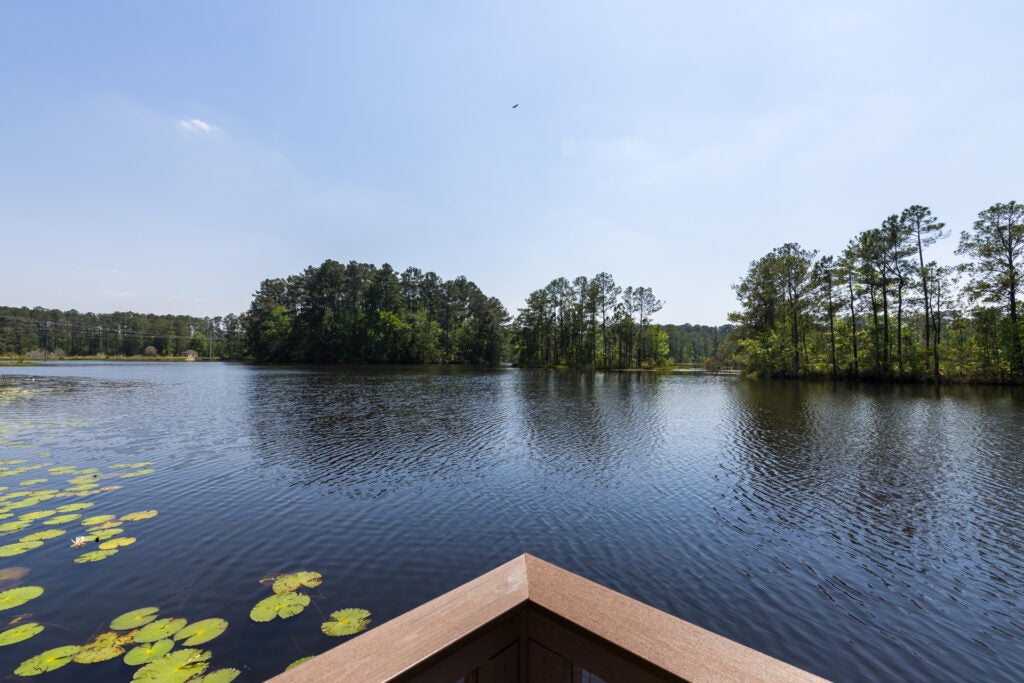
(881, 309)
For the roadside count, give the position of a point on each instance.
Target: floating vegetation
(12, 549)
(13, 573)
(98, 519)
(147, 652)
(103, 647)
(94, 556)
(38, 514)
(134, 619)
(116, 543)
(33, 482)
(47, 661)
(219, 676)
(159, 629)
(63, 519)
(44, 535)
(13, 527)
(62, 469)
(104, 534)
(137, 473)
(283, 605)
(346, 622)
(20, 632)
(16, 597)
(298, 661)
(124, 466)
(175, 667)
(138, 516)
(287, 583)
(201, 631)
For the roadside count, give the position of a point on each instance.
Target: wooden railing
(530, 621)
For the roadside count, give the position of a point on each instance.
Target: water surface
(862, 533)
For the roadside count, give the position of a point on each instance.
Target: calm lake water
(862, 533)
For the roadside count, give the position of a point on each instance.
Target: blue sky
(167, 157)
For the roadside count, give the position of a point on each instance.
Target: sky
(167, 157)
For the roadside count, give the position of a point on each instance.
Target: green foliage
(134, 619)
(283, 605)
(346, 622)
(20, 632)
(16, 597)
(201, 631)
(51, 660)
(147, 652)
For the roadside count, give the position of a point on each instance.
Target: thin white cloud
(196, 126)
(117, 295)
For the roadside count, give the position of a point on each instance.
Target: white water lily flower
(79, 541)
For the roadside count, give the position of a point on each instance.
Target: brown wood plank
(679, 647)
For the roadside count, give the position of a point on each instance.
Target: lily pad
(19, 596)
(75, 507)
(12, 549)
(174, 667)
(103, 647)
(283, 605)
(201, 631)
(13, 574)
(297, 662)
(219, 676)
(137, 473)
(20, 632)
(63, 519)
(143, 654)
(61, 469)
(98, 519)
(138, 516)
(13, 527)
(84, 480)
(32, 482)
(288, 583)
(134, 619)
(44, 535)
(345, 622)
(47, 661)
(94, 556)
(104, 534)
(117, 543)
(38, 514)
(131, 465)
(159, 629)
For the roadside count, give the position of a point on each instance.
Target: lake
(859, 532)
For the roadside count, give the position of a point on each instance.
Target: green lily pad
(159, 629)
(19, 596)
(103, 647)
(137, 473)
(283, 605)
(12, 549)
(298, 661)
(134, 619)
(132, 465)
(44, 535)
(104, 534)
(117, 543)
(62, 469)
(75, 507)
(38, 514)
(47, 661)
(20, 632)
(219, 676)
(201, 631)
(94, 556)
(98, 519)
(174, 667)
(13, 527)
(24, 503)
(84, 480)
(288, 583)
(345, 622)
(143, 654)
(32, 482)
(12, 462)
(63, 519)
(138, 516)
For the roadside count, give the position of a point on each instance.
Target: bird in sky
(515, 105)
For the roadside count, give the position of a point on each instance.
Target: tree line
(49, 332)
(359, 313)
(882, 309)
(590, 323)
